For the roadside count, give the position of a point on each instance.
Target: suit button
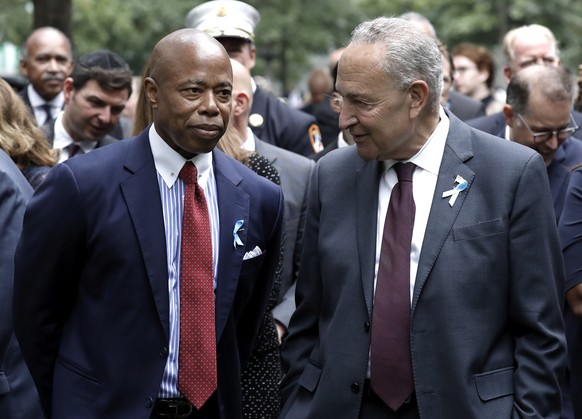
(164, 353)
(367, 326)
(149, 402)
(355, 388)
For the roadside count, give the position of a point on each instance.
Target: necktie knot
(189, 174)
(48, 111)
(404, 171)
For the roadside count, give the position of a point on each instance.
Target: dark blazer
(465, 107)
(49, 132)
(567, 156)
(294, 172)
(486, 342)
(23, 93)
(570, 230)
(91, 303)
(18, 396)
(282, 125)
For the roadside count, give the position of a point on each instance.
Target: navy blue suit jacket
(282, 125)
(566, 157)
(91, 301)
(18, 397)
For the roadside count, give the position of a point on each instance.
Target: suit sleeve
(571, 230)
(536, 297)
(47, 263)
(303, 327)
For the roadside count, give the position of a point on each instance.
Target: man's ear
(23, 67)
(151, 91)
(510, 116)
(418, 92)
(68, 89)
(241, 103)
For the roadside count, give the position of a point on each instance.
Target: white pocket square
(253, 253)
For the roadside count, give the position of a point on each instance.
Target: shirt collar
(62, 138)
(249, 143)
(169, 162)
(36, 101)
(429, 157)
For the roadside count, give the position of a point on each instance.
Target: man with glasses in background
(523, 47)
(538, 115)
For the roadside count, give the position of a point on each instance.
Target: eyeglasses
(543, 136)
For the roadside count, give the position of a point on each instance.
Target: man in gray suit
(18, 396)
(294, 171)
(483, 283)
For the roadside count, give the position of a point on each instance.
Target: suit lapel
(367, 182)
(442, 216)
(142, 196)
(234, 205)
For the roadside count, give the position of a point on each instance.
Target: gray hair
(410, 54)
(524, 32)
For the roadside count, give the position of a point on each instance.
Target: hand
(574, 298)
(281, 331)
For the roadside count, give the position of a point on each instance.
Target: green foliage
(15, 21)
(292, 31)
(129, 27)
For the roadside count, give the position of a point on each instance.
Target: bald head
(189, 89)
(241, 78)
(181, 45)
(47, 59)
(551, 83)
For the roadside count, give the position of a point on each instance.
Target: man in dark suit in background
(233, 23)
(95, 95)
(295, 172)
(476, 338)
(522, 47)
(46, 61)
(99, 286)
(538, 115)
(18, 396)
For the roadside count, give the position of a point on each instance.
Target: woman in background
(21, 139)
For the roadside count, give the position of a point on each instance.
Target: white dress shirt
(172, 190)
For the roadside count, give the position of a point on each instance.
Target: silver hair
(410, 54)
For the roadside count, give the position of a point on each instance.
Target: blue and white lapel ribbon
(237, 228)
(461, 185)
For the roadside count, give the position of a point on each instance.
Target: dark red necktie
(197, 362)
(391, 364)
(72, 149)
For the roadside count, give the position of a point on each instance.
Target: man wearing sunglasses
(538, 115)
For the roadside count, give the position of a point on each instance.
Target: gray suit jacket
(18, 396)
(295, 172)
(487, 336)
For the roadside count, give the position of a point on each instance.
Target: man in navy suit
(481, 325)
(18, 396)
(97, 291)
(538, 115)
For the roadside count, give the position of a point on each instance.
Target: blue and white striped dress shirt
(172, 189)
